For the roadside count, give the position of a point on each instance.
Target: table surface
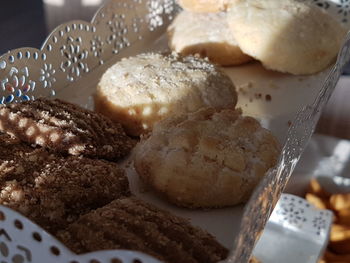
(44, 15)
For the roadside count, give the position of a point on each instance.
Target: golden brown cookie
(54, 191)
(139, 91)
(204, 6)
(129, 223)
(205, 159)
(207, 35)
(288, 36)
(65, 128)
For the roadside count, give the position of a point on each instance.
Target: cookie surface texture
(139, 91)
(65, 128)
(288, 36)
(206, 159)
(129, 223)
(207, 35)
(54, 191)
(204, 6)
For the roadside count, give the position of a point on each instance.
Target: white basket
(69, 65)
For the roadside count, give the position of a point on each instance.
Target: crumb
(273, 86)
(268, 97)
(289, 123)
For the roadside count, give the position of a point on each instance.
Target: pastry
(206, 159)
(207, 35)
(204, 6)
(287, 36)
(129, 223)
(139, 91)
(65, 128)
(52, 190)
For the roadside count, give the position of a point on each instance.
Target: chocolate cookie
(52, 190)
(129, 223)
(65, 128)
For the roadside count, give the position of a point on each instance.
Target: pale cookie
(206, 159)
(288, 36)
(204, 6)
(207, 35)
(139, 91)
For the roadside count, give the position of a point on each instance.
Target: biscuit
(129, 223)
(287, 36)
(54, 191)
(65, 128)
(206, 159)
(204, 6)
(207, 35)
(139, 91)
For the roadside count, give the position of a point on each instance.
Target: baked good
(54, 191)
(204, 6)
(209, 158)
(129, 223)
(139, 91)
(65, 128)
(288, 36)
(207, 35)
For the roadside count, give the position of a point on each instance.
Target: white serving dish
(75, 55)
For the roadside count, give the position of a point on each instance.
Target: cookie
(65, 128)
(204, 6)
(287, 36)
(207, 35)
(54, 191)
(206, 159)
(139, 91)
(129, 223)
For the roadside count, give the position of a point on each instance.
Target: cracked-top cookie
(205, 159)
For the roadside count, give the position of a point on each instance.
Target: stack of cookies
(59, 167)
(290, 36)
(196, 149)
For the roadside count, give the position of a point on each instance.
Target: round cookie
(139, 91)
(287, 36)
(204, 6)
(207, 35)
(206, 159)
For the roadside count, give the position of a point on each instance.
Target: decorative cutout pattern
(17, 86)
(269, 190)
(31, 249)
(340, 9)
(78, 47)
(295, 212)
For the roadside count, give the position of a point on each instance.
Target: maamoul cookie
(288, 36)
(129, 223)
(139, 91)
(204, 6)
(54, 191)
(207, 35)
(65, 128)
(206, 159)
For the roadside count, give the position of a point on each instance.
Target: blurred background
(26, 23)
